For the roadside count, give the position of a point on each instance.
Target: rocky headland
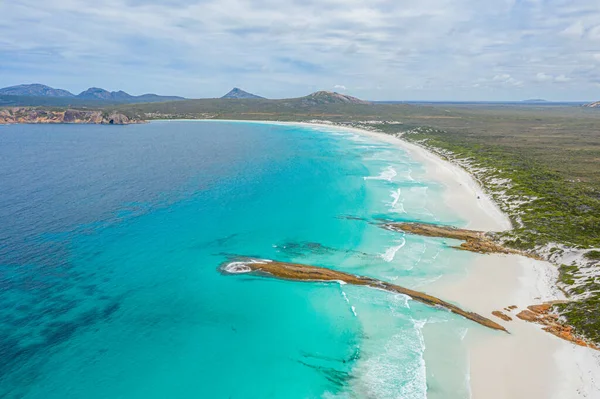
(298, 272)
(37, 115)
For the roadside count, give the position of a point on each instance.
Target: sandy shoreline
(528, 363)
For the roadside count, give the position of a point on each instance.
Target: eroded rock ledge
(474, 241)
(37, 115)
(298, 272)
(541, 314)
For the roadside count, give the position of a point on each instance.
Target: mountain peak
(331, 97)
(239, 93)
(96, 93)
(34, 90)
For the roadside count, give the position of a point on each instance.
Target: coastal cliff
(36, 115)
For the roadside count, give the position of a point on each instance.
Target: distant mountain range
(35, 90)
(93, 94)
(241, 94)
(41, 95)
(317, 104)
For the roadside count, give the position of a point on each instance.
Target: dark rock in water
(116, 119)
(240, 94)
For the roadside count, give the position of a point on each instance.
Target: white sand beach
(529, 362)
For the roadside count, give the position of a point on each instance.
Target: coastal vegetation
(543, 169)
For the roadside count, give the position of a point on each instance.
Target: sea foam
(398, 370)
(386, 174)
(390, 253)
(242, 267)
(397, 205)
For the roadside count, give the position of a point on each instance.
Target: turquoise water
(112, 238)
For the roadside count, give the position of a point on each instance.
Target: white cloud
(544, 77)
(280, 48)
(562, 79)
(594, 33)
(507, 80)
(575, 30)
(339, 87)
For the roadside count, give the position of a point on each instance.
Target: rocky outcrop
(542, 314)
(38, 115)
(481, 242)
(474, 241)
(501, 315)
(298, 272)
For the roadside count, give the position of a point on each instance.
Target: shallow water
(112, 237)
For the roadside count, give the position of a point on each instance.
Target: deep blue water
(110, 243)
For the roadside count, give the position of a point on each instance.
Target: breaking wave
(386, 174)
(390, 253)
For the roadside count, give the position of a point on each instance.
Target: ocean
(111, 243)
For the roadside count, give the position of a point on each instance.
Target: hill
(593, 105)
(239, 93)
(329, 97)
(35, 90)
(42, 95)
(95, 93)
(324, 105)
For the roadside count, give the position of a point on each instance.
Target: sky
(434, 50)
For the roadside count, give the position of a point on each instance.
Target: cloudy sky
(378, 49)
